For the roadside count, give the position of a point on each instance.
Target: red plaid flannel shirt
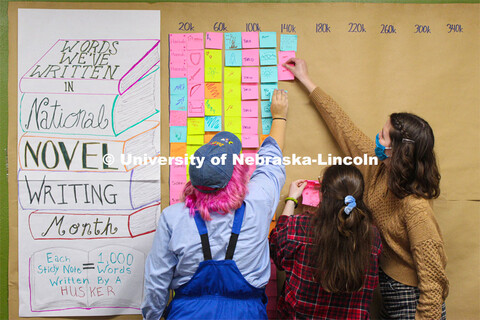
(302, 297)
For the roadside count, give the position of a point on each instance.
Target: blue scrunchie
(350, 202)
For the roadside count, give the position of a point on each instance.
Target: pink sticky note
(177, 55)
(178, 41)
(250, 154)
(178, 70)
(250, 140)
(311, 193)
(214, 40)
(250, 40)
(250, 125)
(195, 58)
(250, 57)
(178, 178)
(196, 108)
(194, 41)
(178, 118)
(284, 73)
(250, 75)
(196, 91)
(250, 109)
(249, 91)
(196, 74)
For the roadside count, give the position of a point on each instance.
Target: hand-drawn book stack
(109, 91)
(113, 81)
(66, 278)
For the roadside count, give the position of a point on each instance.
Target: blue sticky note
(233, 58)
(268, 39)
(265, 107)
(288, 42)
(233, 40)
(268, 74)
(213, 123)
(268, 57)
(178, 102)
(267, 90)
(178, 134)
(178, 86)
(266, 125)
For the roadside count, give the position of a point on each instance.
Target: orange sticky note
(213, 90)
(208, 136)
(178, 149)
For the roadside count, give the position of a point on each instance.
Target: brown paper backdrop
(371, 75)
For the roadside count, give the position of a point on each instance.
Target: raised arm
(351, 140)
(279, 110)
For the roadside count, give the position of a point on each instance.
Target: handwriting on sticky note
(268, 39)
(250, 109)
(178, 102)
(266, 90)
(233, 58)
(249, 91)
(266, 125)
(250, 140)
(250, 57)
(214, 40)
(250, 40)
(284, 73)
(233, 107)
(250, 75)
(233, 124)
(265, 109)
(311, 193)
(196, 91)
(196, 126)
(250, 125)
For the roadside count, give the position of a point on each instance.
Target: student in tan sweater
(413, 282)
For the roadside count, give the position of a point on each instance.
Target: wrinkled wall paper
(370, 75)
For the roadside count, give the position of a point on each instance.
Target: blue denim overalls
(218, 290)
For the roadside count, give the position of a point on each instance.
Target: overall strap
(237, 225)
(202, 230)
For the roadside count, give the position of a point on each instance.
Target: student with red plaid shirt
(330, 257)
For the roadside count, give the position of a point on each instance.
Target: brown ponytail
(342, 245)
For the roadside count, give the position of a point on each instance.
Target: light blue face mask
(380, 149)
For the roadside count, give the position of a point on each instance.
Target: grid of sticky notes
(220, 78)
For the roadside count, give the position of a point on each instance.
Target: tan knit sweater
(413, 247)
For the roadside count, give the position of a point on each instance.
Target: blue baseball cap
(211, 177)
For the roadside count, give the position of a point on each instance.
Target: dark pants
(399, 300)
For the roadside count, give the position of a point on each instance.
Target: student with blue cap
(212, 248)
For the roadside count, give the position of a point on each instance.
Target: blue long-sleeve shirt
(176, 251)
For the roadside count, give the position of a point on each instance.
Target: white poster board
(89, 92)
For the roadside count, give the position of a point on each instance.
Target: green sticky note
(233, 124)
(195, 126)
(233, 107)
(213, 107)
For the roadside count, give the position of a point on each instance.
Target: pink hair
(222, 201)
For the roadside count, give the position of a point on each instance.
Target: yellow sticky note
(195, 139)
(191, 151)
(233, 74)
(233, 107)
(213, 73)
(195, 126)
(213, 58)
(213, 107)
(233, 124)
(232, 90)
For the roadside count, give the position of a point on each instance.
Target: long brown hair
(413, 166)
(342, 242)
